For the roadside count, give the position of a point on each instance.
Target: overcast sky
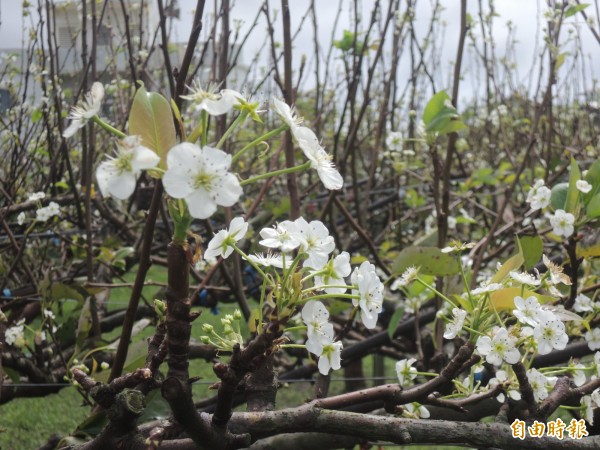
(524, 14)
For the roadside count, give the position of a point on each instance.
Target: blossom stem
(108, 127)
(292, 346)
(204, 119)
(435, 291)
(427, 374)
(263, 176)
(316, 297)
(464, 280)
(315, 288)
(195, 134)
(474, 331)
(257, 141)
(299, 327)
(239, 119)
(252, 263)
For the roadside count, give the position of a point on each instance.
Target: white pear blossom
(407, 277)
(284, 236)
(333, 274)
(455, 327)
(288, 114)
(394, 141)
(201, 176)
(211, 100)
(21, 218)
(15, 335)
(539, 383)
(222, 243)
(267, 260)
(416, 410)
(315, 242)
(539, 196)
(579, 377)
(319, 330)
(527, 310)
(47, 212)
(330, 357)
(80, 115)
(583, 186)
(36, 196)
(583, 303)
(556, 272)
(593, 339)
(48, 314)
(486, 288)
(549, 333)
(562, 223)
(587, 405)
(370, 290)
(405, 371)
(501, 347)
(320, 160)
(596, 397)
(117, 176)
(502, 377)
(525, 278)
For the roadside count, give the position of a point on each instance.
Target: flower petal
(122, 186)
(177, 182)
(144, 158)
(200, 204)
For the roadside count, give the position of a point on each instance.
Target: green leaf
(430, 260)
(394, 321)
(440, 116)
(571, 11)
(573, 193)
(558, 196)
(593, 207)
(593, 251)
(593, 177)
(151, 119)
(84, 325)
(532, 248)
(560, 60)
(36, 115)
(504, 299)
(434, 106)
(513, 263)
(14, 376)
(62, 291)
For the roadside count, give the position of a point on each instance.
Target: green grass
(28, 423)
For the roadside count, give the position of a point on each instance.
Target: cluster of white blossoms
(311, 147)
(47, 212)
(305, 246)
(394, 141)
(320, 336)
(538, 196)
(562, 222)
(15, 335)
(198, 174)
(43, 213)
